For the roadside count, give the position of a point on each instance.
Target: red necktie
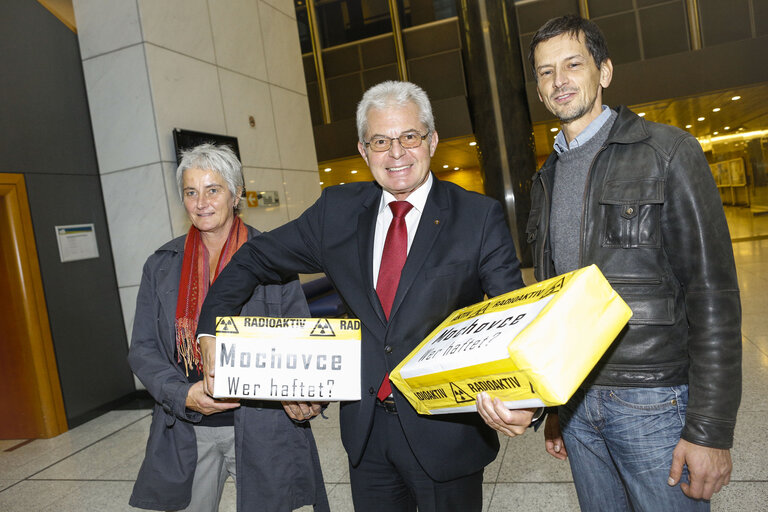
(392, 261)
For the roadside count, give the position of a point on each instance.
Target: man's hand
(301, 411)
(199, 401)
(208, 355)
(510, 422)
(709, 469)
(553, 438)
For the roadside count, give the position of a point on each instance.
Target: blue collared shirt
(561, 145)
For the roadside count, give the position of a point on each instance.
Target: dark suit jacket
(461, 251)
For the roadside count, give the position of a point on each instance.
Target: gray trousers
(215, 462)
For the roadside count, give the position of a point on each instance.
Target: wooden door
(30, 393)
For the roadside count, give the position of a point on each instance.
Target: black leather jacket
(654, 224)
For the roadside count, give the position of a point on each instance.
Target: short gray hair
(217, 158)
(394, 94)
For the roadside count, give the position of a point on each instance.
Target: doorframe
(53, 420)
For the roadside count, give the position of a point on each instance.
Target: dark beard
(578, 114)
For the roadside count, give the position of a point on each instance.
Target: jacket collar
(628, 128)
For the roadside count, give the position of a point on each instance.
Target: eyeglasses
(407, 140)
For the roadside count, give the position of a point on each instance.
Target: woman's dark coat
(278, 468)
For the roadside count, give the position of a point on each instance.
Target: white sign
(473, 341)
(76, 242)
(304, 359)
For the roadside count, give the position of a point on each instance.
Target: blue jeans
(620, 443)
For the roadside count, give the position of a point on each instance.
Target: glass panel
(302, 20)
(665, 29)
(647, 3)
(757, 161)
(345, 21)
(620, 32)
(760, 8)
(722, 22)
(532, 15)
(599, 8)
(419, 12)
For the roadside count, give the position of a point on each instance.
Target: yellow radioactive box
(530, 348)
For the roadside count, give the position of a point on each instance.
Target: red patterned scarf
(193, 287)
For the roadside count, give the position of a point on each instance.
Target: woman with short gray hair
(196, 441)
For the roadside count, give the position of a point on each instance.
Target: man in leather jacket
(636, 198)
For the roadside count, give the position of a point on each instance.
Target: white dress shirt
(418, 198)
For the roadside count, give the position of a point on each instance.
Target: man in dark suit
(456, 248)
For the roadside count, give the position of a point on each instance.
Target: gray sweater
(571, 172)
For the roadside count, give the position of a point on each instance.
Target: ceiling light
(342, 183)
(353, 171)
(473, 143)
(641, 114)
(716, 109)
(553, 129)
(715, 133)
(445, 166)
(455, 168)
(701, 118)
(736, 137)
(327, 169)
(322, 183)
(736, 98)
(726, 127)
(688, 125)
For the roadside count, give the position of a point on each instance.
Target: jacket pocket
(649, 310)
(631, 211)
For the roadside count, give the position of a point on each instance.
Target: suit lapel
(366, 228)
(435, 213)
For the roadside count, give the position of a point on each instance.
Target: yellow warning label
(287, 328)
(322, 328)
(226, 324)
(460, 395)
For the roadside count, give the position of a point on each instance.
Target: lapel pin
(437, 222)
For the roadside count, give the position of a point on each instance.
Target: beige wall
(205, 65)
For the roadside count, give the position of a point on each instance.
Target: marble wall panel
(302, 189)
(179, 25)
(179, 220)
(285, 6)
(237, 37)
(106, 25)
(282, 50)
(244, 97)
(137, 213)
(295, 138)
(185, 94)
(265, 218)
(128, 296)
(120, 103)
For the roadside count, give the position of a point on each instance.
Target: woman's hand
(198, 400)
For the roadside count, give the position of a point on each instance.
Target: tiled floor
(92, 467)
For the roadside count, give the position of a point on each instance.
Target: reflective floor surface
(92, 467)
